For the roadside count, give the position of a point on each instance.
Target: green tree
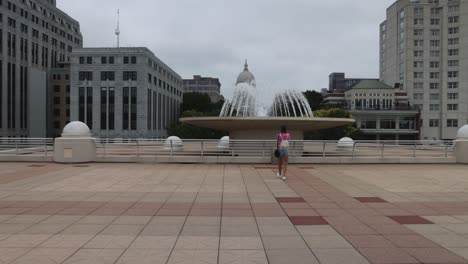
(334, 133)
(314, 98)
(196, 102)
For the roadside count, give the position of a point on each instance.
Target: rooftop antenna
(117, 30)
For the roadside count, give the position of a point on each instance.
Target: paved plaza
(146, 213)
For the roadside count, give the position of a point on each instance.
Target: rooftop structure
(204, 85)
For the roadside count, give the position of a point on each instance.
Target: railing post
(383, 149)
(263, 149)
(415, 148)
(172, 154)
(16, 147)
(294, 149)
(45, 147)
(446, 150)
(104, 148)
(324, 147)
(202, 149)
(138, 148)
(354, 148)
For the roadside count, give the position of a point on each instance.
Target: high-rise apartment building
(424, 51)
(205, 85)
(338, 83)
(124, 92)
(35, 36)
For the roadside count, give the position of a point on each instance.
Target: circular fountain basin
(266, 127)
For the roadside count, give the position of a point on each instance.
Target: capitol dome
(76, 129)
(246, 76)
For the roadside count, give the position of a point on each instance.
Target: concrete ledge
(15, 158)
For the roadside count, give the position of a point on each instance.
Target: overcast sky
(289, 44)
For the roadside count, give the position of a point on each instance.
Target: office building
(424, 50)
(124, 92)
(58, 105)
(35, 37)
(381, 111)
(205, 85)
(339, 83)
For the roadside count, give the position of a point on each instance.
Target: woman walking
(283, 147)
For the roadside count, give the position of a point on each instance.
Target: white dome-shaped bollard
(461, 145)
(76, 144)
(173, 143)
(345, 143)
(224, 143)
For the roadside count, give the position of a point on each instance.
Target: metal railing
(27, 146)
(265, 148)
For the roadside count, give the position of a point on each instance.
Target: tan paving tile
(7, 255)
(296, 256)
(340, 256)
(23, 241)
(132, 220)
(316, 242)
(318, 230)
(193, 257)
(80, 229)
(449, 241)
(122, 230)
(102, 256)
(200, 231)
(197, 242)
(66, 241)
(242, 257)
(252, 243)
(154, 242)
(46, 256)
(110, 242)
(144, 256)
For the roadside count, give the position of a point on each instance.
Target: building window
(435, 75)
(434, 64)
(129, 76)
(133, 113)
(453, 8)
(85, 76)
(454, 30)
(111, 108)
(453, 74)
(453, 85)
(452, 96)
(418, 53)
(453, 52)
(454, 41)
(435, 43)
(435, 21)
(111, 60)
(434, 97)
(418, 85)
(434, 122)
(103, 108)
(418, 75)
(387, 124)
(419, 21)
(452, 107)
(134, 60)
(434, 107)
(418, 10)
(453, 63)
(82, 60)
(435, 53)
(452, 122)
(56, 100)
(57, 112)
(89, 60)
(103, 60)
(454, 19)
(56, 88)
(418, 32)
(126, 60)
(81, 104)
(418, 96)
(434, 86)
(89, 107)
(419, 43)
(126, 108)
(418, 64)
(108, 76)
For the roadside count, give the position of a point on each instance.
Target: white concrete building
(35, 36)
(424, 49)
(124, 92)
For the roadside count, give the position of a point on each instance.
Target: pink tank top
(281, 137)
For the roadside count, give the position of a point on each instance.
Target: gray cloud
(293, 44)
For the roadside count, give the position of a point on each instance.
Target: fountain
(242, 117)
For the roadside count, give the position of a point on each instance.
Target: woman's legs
(285, 166)
(280, 165)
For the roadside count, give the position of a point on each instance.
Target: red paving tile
(36, 165)
(76, 211)
(108, 211)
(177, 206)
(410, 220)
(370, 200)
(300, 212)
(308, 220)
(295, 206)
(44, 211)
(290, 200)
(14, 210)
(173, 212)
(140, 212)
